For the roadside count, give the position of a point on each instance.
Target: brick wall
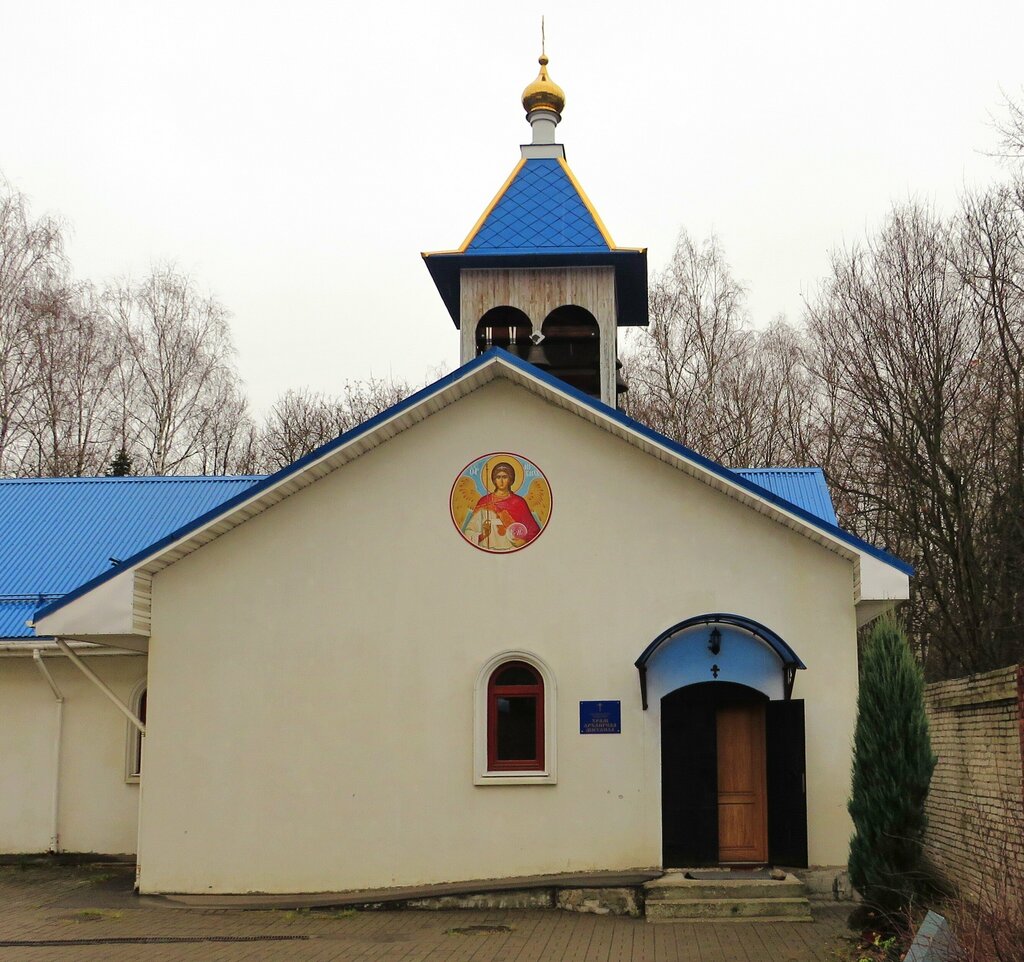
(975, 807)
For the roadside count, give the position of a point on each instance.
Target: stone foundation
(617, 901)
(827, 883)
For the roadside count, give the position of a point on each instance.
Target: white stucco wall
(312, 671)
(98, 809)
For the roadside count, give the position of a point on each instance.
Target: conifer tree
(892, 768)
(121, 466)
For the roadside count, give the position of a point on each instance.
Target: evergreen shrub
(892, 768)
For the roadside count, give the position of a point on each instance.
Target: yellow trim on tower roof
(491, 206)
(586, 203)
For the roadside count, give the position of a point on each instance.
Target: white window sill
(514, 778)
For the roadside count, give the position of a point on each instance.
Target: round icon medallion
(500, 502)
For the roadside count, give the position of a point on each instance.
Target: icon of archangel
(501, 502)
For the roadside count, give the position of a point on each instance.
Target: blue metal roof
(540, 212)
(804, 487)
(13, 615)
(584, 400)
(60, 532)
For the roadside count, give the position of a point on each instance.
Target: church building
(501, 629)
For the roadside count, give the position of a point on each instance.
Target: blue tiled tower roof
(539, 211)
(542, 218)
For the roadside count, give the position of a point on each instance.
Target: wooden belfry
(539, 275)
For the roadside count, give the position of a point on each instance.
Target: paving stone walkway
(89, 913)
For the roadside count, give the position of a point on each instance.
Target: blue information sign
(600, 717)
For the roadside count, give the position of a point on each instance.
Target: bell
(538, 357)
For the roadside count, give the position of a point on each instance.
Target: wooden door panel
(742, 821)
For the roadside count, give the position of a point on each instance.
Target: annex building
(498, 630)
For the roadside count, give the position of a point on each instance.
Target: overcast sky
(296, 158)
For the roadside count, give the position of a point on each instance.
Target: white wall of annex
(98, 810)
(312, 671)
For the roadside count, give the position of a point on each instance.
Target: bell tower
(539, 274)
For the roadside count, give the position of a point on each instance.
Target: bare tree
(32, 270)
(176, 357)
(71, 413)
(301, 421)
(1010, 130)
(230, 443)
(781, 399)
(701, 375)
(697, 332)
(991, 259)
(903, 348)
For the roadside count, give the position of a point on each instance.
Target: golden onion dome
(544, 93)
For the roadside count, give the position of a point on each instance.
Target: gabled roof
(541, 218)
(541, 209)
(804, 487)
(61, 532)
(496, 363)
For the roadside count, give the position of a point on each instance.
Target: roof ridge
(31, 598)
(134, 477)
(805, 467)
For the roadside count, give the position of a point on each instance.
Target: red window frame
(496, 691)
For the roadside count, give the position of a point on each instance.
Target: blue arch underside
(789, 658)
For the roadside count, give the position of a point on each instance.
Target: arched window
(506, 327)
(514, 734)
(133, 759)
(572, 345)
(515, 719)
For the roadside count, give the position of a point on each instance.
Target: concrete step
(740, 888)
(728, 909)
(758, 919)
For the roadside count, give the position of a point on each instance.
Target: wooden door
(742, 808)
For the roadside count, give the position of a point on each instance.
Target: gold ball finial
(543, 93)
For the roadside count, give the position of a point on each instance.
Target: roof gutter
(49, 646)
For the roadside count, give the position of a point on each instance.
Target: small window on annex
(137, 703)
(515, 719)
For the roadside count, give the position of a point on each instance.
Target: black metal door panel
(787, 783)
(689, 779)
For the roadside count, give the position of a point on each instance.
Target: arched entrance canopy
(789, 658)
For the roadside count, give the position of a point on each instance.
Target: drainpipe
(37, 657)
(101, 685)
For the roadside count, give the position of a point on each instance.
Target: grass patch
(93, 915)
(292, 914)
(100, 877)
